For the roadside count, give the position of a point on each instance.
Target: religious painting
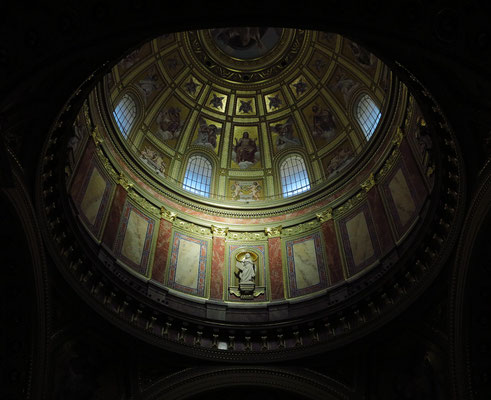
(318, 64)
(323, 124)
(154, 158)
(150, 84)
(217, 101)
(246, 43)
(274, 101)
(284, 134)
(208, 133)
(173, 63)
(133, 58)
(343, 85)
(169, 122)
(360, 55)
(338, 159)
(192, 87)
(245, 148)
(246, 190)
(245, 106)
(300, 87)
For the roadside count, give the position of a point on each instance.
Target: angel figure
(207, 134)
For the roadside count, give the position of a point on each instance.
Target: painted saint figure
(245, 149)
(247, 269)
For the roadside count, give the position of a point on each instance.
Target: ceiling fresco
(288, 90)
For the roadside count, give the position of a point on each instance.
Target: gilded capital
(399, 136)
(219, 231)
(369, 183)
(123, 181)
(325, 215)
(97, 136)
(167, 215)
(274, 231)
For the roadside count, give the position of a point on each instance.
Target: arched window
(198, 176)
(125, 114)
(294, 177)
(368, 115)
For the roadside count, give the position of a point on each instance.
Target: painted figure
(207, 134)
(285, 134)
(255, 189)
(169, 123)
(245, 149)
(323, 123)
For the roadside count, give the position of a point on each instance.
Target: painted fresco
(343, 85)
(274, 101)
(192, 87)
(338, 159)
(245, 106)
(360, 56)
(173, 63)
(134, 58)
(322, 122)
(300, 87)
(319, 63)
(246, 43)
(134, 238)
(306, 265)
(217, 101)
(359, 240)
(187, 268)
(208, 134)
(169, 122)
(150, 84)
(154, 158)
(245, 148)
(284, 134)
(246, 190)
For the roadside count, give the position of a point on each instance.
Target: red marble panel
(162, 250)
(82, 169)
(380, 221)
(115, 213)
(275, 268)
(416, 181)
(217, 268)
(334, 263)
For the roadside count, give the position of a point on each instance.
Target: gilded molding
(96, 136)
(192, 228)
(301, 228)
(143, 202)
(246, 236)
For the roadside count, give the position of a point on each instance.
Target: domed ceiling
(229, 182)
(247, 97)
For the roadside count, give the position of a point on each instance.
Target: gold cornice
(273, 231)
(219, 231)
(167, 215)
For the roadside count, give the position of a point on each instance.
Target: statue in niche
(246, 264)
(247, 267)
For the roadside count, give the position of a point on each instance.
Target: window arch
(294, 177)
(197, 178)
(125, 114)
(368, 115)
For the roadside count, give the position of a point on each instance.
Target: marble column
(162, 250)
(276, 268)
(111, 228)
(217, 262)
(334, 264)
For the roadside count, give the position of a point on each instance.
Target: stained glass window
(198, 176)
(368, 115)
(125, 114)
(294, 177)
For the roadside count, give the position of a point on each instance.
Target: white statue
(247, 269)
